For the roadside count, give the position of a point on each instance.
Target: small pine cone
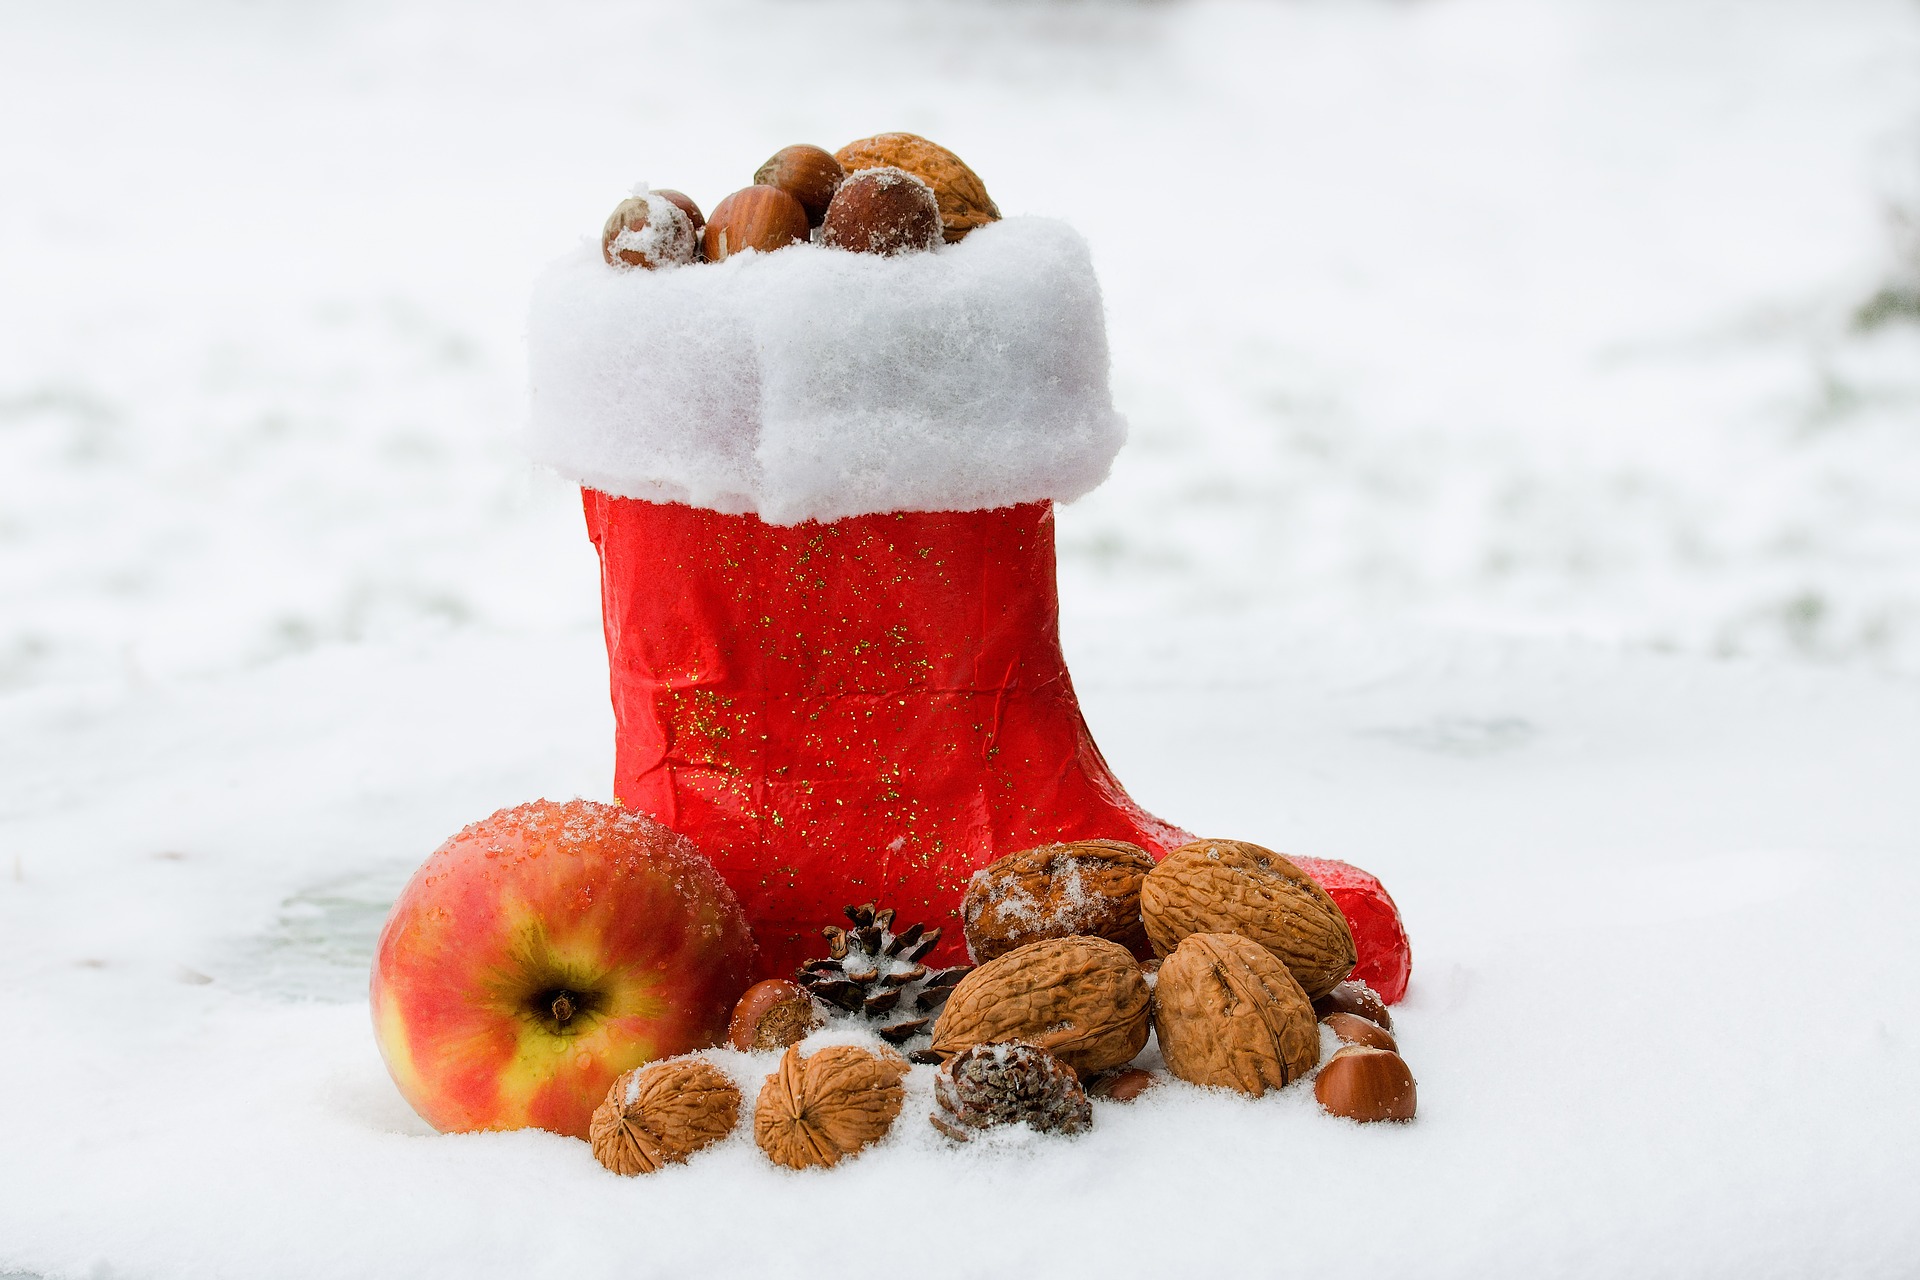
(662, 1113)
(875, 972)
(994, 1084)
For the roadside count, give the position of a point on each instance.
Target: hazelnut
(964, 202)
(809, 174)
(884, 211)
(1366, 1084)
(648, 230)
(772, 1015)
(1354, 1029)
(684, 202)
(759, 218)
(1121, 1086)
(1356, 998)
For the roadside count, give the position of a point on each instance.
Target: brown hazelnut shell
(885, 211)
(684, 202)
(1121, 1086)
(759, 218)
(675, 238)
(1366, 1085)
(964, 202)
(1356, 998)
(807, 173)
(1354, 1029)
(772, 1015)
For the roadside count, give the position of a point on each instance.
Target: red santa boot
(821, 486)
(870, 709)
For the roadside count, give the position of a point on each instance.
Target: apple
(542, 952)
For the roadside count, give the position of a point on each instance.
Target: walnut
(964, 202)
(1229, 1014)
(1089, 887)
(816, 1111)
(1082, 999)
(807, 173)
(662, 1113)
(1230, 886)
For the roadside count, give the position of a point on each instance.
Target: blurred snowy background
(1590, 318)
(1523, 502)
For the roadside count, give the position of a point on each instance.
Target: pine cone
(871, 970)
(993, 1084)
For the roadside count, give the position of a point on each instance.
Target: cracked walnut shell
(662, 1113)
(1230, 1015)
(1231, 886)
(964, 202)
(1084, 1000)
(1087, 887)
(816, 1111)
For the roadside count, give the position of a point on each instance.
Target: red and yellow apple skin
(540, 953)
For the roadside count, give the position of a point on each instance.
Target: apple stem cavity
(564, 1010)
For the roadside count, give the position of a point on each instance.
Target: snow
(812, 383)
(1661, 1017)
(1521, 514)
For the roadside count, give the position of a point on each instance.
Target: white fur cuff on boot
(814, 384)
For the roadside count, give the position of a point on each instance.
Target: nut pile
(890, 194)
(1249, 960)
(1250, 956)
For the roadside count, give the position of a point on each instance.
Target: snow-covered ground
(1516, 506)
